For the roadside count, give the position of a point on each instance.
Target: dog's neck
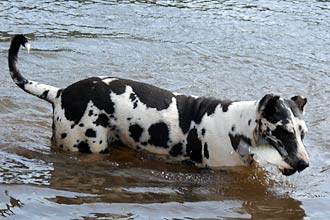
(243, 119)
(241, 122)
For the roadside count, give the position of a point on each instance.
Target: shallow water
(233, 49)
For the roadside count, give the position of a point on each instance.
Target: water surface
(228, 49)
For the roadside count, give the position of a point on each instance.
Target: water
(233, 49)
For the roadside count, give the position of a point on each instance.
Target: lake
(239, 50)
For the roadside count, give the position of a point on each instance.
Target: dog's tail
(42, 91)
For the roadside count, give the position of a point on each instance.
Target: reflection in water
(133, 180)
(13, 203)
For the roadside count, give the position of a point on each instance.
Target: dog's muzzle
(299, 166)
(295, 164)
(287, 172)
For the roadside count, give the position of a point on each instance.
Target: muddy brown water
(230, 49)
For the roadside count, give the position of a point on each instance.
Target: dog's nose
(301, 165)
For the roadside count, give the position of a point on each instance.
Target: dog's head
(281, 124)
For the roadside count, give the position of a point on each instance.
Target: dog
(93, 114)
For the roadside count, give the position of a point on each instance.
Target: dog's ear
(300, 101)
(267, 105)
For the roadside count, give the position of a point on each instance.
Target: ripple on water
(17, 169)
(7, 105)
(231, 49)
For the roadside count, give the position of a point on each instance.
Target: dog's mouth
(268, 153)
(285, 168)
(286, 171)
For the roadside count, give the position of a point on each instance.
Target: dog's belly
(141, 127)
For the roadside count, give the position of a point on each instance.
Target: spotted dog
(91, 115)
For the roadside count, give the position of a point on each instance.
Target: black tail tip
(19, 39)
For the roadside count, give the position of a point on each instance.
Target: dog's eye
(285, 132)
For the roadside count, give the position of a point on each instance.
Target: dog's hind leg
(81, 138)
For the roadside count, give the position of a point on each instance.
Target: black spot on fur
(64, 135)
(132, 97)
(44, 94)
(194, 109)
(194, 146)
(225, 105)
(274, 109)
(104, 151)
(59, 92)
(83, 147)
(90, 113)
(233, 128)
(116, 142)
(159, 134)
(53, 132)
(81, 125)
(100, 142)
(90, 133)
(102, 120)
(203, 131)
(128, 119)
(176, 150)
(206, 151)
(135, 104)
(76, 97)
(249, 122)
(235, 140)
(286, 141)
(151, 96)
(135, 132)
(118, 86)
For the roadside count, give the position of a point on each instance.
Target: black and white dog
(94, 113)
